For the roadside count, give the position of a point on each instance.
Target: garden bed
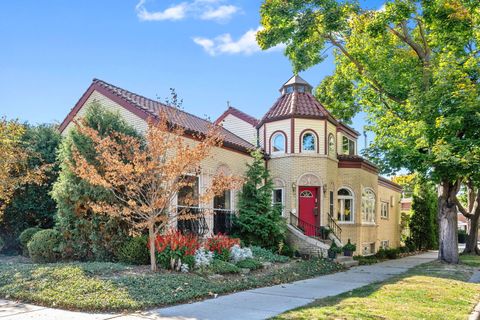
(102, 286)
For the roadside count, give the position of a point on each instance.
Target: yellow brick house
(319, 179)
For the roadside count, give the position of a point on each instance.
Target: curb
(475, 315)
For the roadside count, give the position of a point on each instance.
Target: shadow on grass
(429, 291)
(101, 286)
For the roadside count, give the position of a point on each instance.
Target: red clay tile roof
(297, 105)
(239, 114)
(145, 108)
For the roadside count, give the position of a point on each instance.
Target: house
(328, 192)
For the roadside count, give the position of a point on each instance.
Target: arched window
(368, 206)
(278, 143)
(345, 205)
(331, 145)
(308, 142)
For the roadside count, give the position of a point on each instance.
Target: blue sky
(205, 49)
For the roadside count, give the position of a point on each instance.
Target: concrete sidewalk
(251, 304)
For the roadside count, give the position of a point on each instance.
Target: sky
(51, 50)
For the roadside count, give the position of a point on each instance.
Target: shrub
(134, 251)
(44, 246)
(238, 254)
(259, 223)
(223, 267)
(250, 263)
(266, 255)
(2, 243)
(175, 248)
(203, 258)
(87, 235)
(387, 253)
(25, 237)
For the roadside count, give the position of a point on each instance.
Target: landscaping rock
(216, 277)
(267, 265)
(244, 271)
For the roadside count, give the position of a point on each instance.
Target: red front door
(308, 204)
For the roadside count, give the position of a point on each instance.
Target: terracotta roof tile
(297, 104)
(151, 108)
(239, 114)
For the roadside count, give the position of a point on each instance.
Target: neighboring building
(319, 178)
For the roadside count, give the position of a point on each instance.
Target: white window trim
(284, 143)
(351, 197)
(315, 142)
(382, 203)
(364, 222)
(348, 146)
(283, 197)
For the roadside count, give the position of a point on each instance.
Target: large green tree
(423, 225)
(87, 235)
(31, 204)
(412, 66)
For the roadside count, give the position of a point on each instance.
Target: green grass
(470, 260)
(429, 291)
(115, 287)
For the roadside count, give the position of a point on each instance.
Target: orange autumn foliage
(144, 177)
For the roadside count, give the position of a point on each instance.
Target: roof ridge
(151, 100)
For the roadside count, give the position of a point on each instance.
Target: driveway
(253, 304)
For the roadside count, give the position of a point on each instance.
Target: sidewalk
(251, 304)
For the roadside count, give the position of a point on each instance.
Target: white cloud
(200, 9)
(177, 12)
(225, 44)
(221, 13)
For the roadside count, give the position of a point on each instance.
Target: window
(308, 142)
(301, 88)
(277, 197)
(368, 206)
(345, 205)
(289, 89)
(278, 143)
(384, 210)
(223, 201)
(348, 146)
(331, 145)
(306, 194)
(384, 244)
(368, 249)
(188, 194)
(331, 203)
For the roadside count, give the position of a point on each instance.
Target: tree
(13, 160)
(423, 226)
(87, 235)
(31, 204)
(471, 210)
(143, 179)
(413, 67)
(259, 222)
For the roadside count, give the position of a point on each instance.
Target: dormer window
(278, 143)
(348, 146)
(289, 89)
(308, 142)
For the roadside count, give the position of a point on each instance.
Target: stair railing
(334, 227)
(309, 229)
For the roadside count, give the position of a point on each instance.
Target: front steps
(347, 262)
(305, 244)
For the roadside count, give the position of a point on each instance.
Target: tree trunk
(471, 246)
(447, 222)
(151, 239)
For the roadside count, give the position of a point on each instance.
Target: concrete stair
(347, 262)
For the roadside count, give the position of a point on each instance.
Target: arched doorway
(309, 204)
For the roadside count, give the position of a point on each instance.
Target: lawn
(429, 291)
(116, 287)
